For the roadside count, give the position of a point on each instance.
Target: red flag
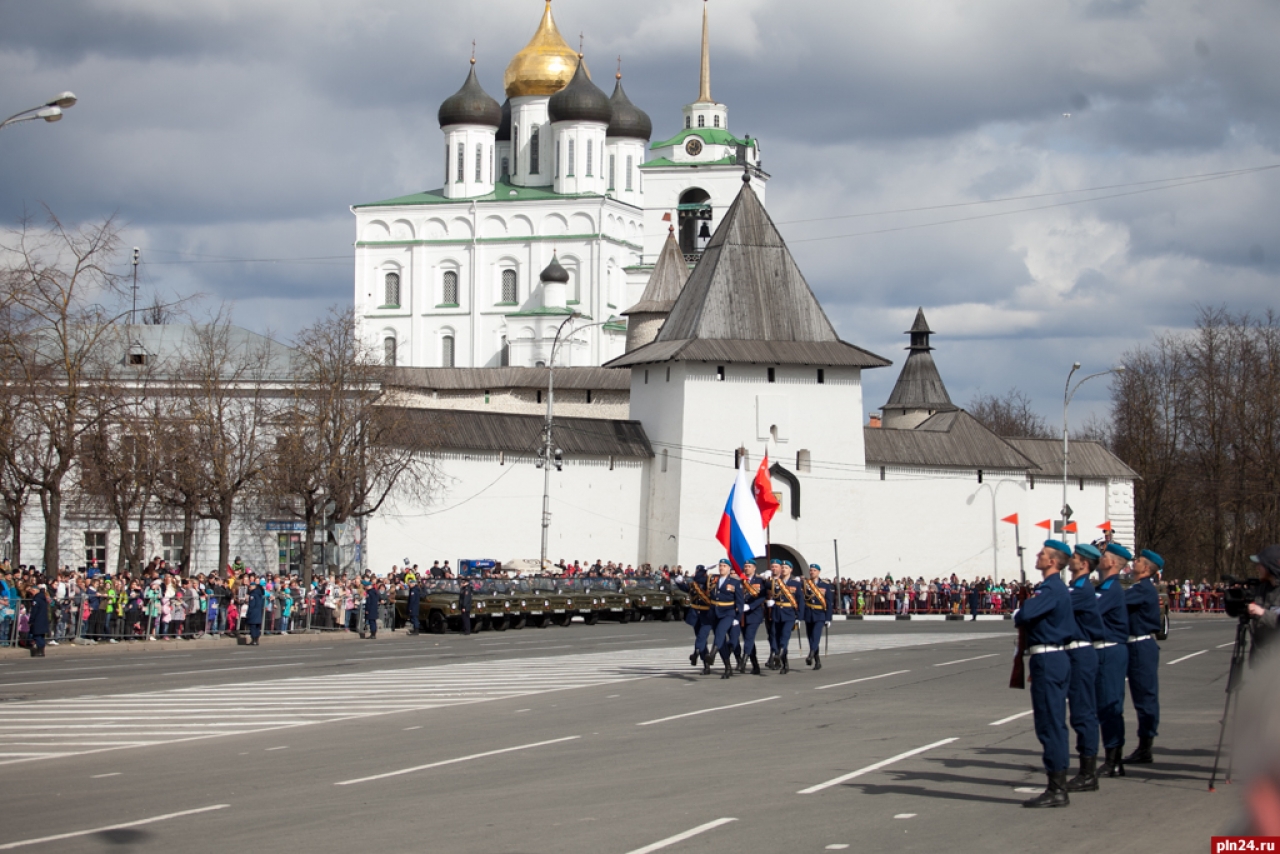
(1047, 524)
(1012, 520)
(763, 489)
(1105, 526)
(1071, 528)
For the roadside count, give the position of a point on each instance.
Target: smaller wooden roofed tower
(645, 318)
(747, 302)
(919, 392)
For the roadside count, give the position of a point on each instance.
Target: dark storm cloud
(244, 129)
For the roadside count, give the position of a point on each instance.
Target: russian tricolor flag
(741, 530)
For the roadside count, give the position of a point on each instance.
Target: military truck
(648, 600)
(607, 601)
(438, 610)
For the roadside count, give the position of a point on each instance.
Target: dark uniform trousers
(1143, 602)
(1113, 662)
(726, 596)
(1082, 695)
(1050, 679)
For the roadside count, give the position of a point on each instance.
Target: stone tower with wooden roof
(645, 318)
(919, 392)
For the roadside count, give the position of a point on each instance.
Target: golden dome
(545, 66)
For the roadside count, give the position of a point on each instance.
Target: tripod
(1234, 677)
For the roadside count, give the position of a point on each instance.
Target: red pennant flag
(1105, 526)
(763, 489)
(1012, 520)
(1047, 524)
(1071, 528)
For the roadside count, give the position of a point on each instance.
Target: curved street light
(1067, 394)
(549, 455)
(50, 111)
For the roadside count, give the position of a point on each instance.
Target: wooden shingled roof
(665, 282)
(489, 432)
(747, 301)
(473, 379)
(1087, 459)
(952, 439)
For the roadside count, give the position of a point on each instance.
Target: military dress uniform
(1050, 626)
(697, 617)
(787, 596)
(1113, 666)
(1143, 603)
(726, 606)
(1083, 688)
(415, 601)
(755, 592)
(819, 607)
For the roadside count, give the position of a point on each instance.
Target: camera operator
(1264, 610)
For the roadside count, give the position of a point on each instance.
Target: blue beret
(815, 566)
(1088, 551)
(1117, 549)
(1153, 557)
(776, 560)
(788, 563)
(700, 568)
(1058, 545)
(725, 560)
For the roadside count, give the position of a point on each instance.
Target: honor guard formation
(1084, 641)
(731, 607)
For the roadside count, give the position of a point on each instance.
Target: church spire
(704, 79)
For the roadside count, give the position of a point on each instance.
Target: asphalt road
(580, 739)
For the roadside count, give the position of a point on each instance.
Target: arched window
(446, 163)
(389, 351)
(687, 125)
(557, 158)
(802, 461)
(446, 351)
(702, 121)
(630, 164)
(510, 287)
(462, 156)
(717, 121)
(535, 149)
(613, 164)
(506, 167)
(569, 172)
(590, 149)
(479, 162)
(449, 295)
(391, 290)
(515, 148)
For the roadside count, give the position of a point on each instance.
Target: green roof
(731, 160)
(711, 136)
(547, 312)
(503, 192)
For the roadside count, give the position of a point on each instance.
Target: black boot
(773, 662)
(1141, 756)
(706, 664)
(1087, 779)
(742, 662)
(728, 671)
(1053, 796)
(755, 665)
(32, 650)
(693, 658)
(784, 668)
(1113, 764)
(809, 658)
(817, 661)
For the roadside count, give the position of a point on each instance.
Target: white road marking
(863, 679)
(844, 778)
(53, 681)
(224, 669)
(1013, 717)
(1225, 645)
(707, 711)
(681, 837)
(411, 728)
(443, 762)
(905, 815)
(24, 842)
(838, 846)
(283, 747)
(101, 776)
(1185, 657)
(963, 660)
(1028, 790)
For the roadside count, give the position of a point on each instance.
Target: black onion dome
(504, 127)
(580, 101)
(471, 105)
(554, 272)
(628, 120)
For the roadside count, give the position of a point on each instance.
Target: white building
(450, 277)
(744, 361)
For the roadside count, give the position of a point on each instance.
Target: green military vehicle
(438, 610)
(607, 601)
(648, 600)
(542, 603)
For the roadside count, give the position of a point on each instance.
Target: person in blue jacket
(819, 606)
(726, 608)
(38, 621)
(257, 607)
(1046, 616)
(786, 601)
(1082, 693)
(1143, 601)
(1113, 657)
(697, 617)
(755, 592)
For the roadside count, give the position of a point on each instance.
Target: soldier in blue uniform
(754, 594)
(1113, 657)
(415, 600)
(1050, 626)
(775, 660)
(1143, 602)
(726, 607)
(786, 601)
(819, 606)
(697, 617)
(1082, 690)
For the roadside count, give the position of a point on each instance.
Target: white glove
(735, 622)
(769, 603)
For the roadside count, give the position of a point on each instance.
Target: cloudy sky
(1046, 179)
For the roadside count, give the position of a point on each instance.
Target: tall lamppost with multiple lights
(50, 111)
(1068, 393)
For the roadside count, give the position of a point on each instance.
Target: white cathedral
(693, 340)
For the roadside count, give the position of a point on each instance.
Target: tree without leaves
(1009, 415)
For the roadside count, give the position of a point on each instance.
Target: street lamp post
(1068, 393)
(549, 455)
(995, 531)
(50, 111)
